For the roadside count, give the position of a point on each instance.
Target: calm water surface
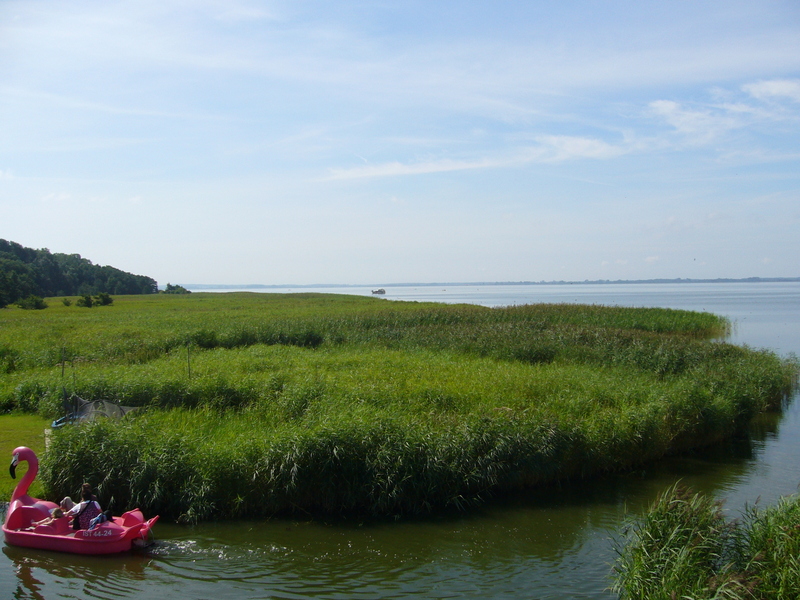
(555, 543)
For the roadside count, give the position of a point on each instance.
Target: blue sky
(238, 142)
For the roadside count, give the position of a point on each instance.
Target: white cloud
(392, 169)
(564, 147)
(697, 126)
(65, 101)
(551, 148)
(232, 12)
(57, 197)
(776, 88)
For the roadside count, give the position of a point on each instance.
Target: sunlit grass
(20, 430)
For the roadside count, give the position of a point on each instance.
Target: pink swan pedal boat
(110, 537)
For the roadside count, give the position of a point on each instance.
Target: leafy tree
(25, 272)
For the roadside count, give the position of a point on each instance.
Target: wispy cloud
(704, 123)
(776, 88)
(234, 12)
(57, 197)
(66, 101)
(564, 147)
(395, 168)
(698, 126)
(551, 148)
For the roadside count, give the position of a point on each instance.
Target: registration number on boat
(98, 533)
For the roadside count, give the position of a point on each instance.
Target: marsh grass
(138, 329)
(379, 431)
(257, 404)
(683, 547)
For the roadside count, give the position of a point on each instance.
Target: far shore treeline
(25, 272)
(253, 405)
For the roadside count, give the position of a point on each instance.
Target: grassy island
(262, 404)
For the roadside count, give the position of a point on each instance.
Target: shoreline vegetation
(254, 405)
(683, 547)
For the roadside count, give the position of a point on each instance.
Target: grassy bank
(684, 548)
(257, 404)
(20, 430)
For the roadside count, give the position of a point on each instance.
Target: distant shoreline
(258, 286)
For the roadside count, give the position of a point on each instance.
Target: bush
(103, 299)
(175, 289)
(32, 303)
(85, 301)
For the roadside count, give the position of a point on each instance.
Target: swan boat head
(21, 503)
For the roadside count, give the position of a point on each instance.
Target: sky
(290, 143)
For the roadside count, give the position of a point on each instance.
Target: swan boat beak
(13, 468)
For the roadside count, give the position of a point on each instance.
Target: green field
(257, 404)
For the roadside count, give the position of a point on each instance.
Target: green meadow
(253, 405)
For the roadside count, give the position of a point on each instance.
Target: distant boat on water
(379, 291)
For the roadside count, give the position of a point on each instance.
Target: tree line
(26, 272)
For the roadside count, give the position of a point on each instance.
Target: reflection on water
(552, 543)
(48, 575)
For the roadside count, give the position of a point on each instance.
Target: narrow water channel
(553, 543)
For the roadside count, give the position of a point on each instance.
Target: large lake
(555, 543)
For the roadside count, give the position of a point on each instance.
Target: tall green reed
(683, 547)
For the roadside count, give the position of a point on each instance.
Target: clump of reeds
(768, 550)
(676, 550)
(683, 547)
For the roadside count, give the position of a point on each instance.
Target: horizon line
(200, 286)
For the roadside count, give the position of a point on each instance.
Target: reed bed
(138, 329)
(683, 547)
(259, 404)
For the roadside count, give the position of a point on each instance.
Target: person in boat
(55, 514)
(67, 503)
(101, 518)
(86, 510)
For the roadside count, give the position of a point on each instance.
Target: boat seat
(130, 518)
(57, 527)
(24, 516)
